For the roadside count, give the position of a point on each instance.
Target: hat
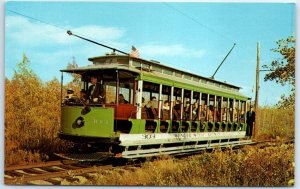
(70, 91)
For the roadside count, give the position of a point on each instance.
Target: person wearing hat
(250, 121)
(95, 92)
(70, 97)
(82, 95)
(70, 93)
(122, 99)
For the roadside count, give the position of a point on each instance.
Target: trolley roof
(112, 61)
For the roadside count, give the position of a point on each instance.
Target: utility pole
(256, 125)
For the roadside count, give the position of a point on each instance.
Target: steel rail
(44, 164)
(48, 175)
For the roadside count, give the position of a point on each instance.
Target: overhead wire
(51, 24)
(47, 23)
(30, 17)
(197, 22)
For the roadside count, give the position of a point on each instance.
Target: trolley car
(202, 113)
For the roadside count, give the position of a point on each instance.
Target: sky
(192, 36)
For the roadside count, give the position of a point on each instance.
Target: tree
(283, 69)
(75, 83)
(32, 115)
(76, 77)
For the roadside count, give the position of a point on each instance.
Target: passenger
(143, 102)
(242, 116)
(229, 115)
(235, 115)
(211, 113)
(70, 93)
(195, 111)
(218, 114)
(95, 93)
(177, 107)
(224, 116)
(187, 110)
(250, 121)
(151, 107)
(166, 106)
(203, 113)
(70, 98)
(82, 95)
(122, 99)
(166, 111)
(153, 103)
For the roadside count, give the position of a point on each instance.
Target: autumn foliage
(32, 116)
(283, 69)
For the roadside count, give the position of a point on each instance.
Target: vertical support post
(117, 88)
(172, 103)
(227, 110)
(199, 107)
(160, 101)
(255, 129)
(207, 107)
(181, 105)
(239, 111)
(134, 92)
(215, 108)
(233, 110)
(139, 99)
(221, 107)
(191, 106)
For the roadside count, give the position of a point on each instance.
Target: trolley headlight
(79, 122)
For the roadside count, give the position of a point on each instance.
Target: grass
(250, 166)
(276, 123)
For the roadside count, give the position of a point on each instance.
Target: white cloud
(50, 49)
(109, 34)
(170, 50)
(23, 31)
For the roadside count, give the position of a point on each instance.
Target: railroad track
(268, 143)
(54, 172)
(49, 173)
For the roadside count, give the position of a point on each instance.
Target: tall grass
(275, 123)
(272, 166)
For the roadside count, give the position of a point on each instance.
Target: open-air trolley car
(190, 113)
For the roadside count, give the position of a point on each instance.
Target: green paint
(98, 122)
(138, 126)
(244, 126)
(181, 84)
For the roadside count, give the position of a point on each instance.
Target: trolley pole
(256, 123)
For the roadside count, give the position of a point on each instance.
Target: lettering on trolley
(148, 136)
